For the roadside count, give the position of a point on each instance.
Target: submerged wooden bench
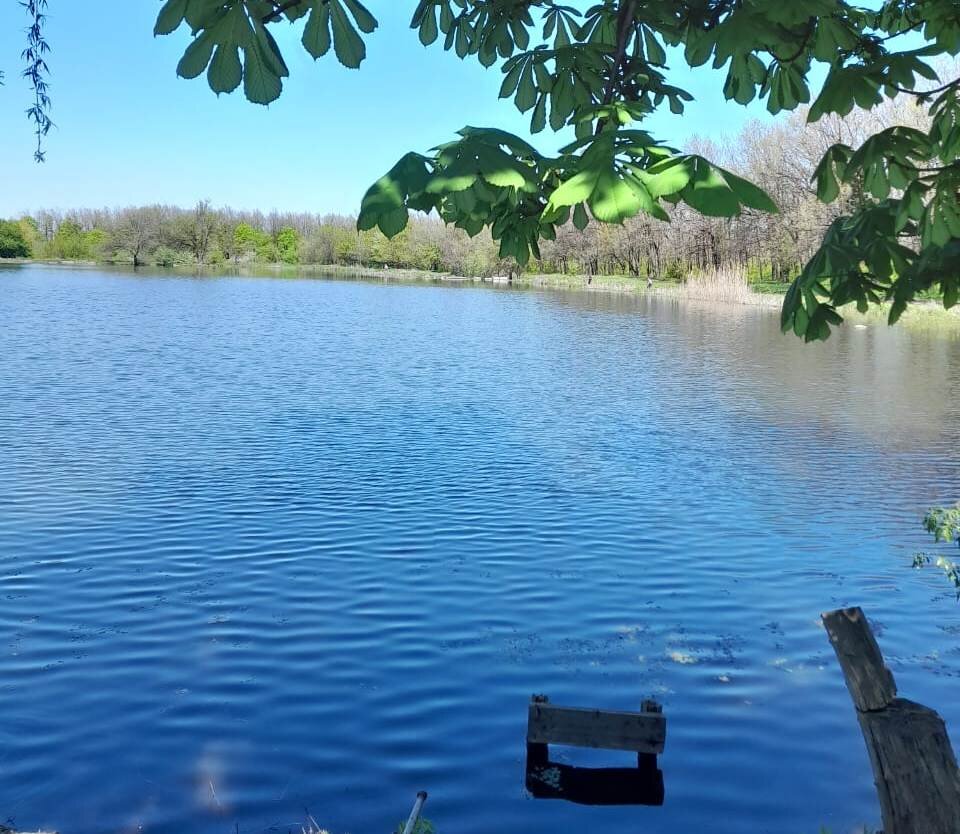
(644, 732)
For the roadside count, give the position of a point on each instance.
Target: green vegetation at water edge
(943, 523)
(14, 241)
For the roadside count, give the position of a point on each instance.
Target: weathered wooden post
(647, 761)
(914, 767)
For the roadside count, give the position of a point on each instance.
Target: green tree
(13, 241)
(68, 243)
(603, 69)
(288, 245)
(247, 241)
(94, 242)
(28, 226)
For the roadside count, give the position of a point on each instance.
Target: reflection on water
(595, 785)
(268, 545)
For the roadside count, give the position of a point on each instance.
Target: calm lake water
(269, 545)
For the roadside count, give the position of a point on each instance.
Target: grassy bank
(626, 284)
(929, 316)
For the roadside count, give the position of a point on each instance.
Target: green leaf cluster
(492, 178)
(232, 41)
(598, 69)
(943, 523)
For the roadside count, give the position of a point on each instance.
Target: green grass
(925, 317)
(769, 287)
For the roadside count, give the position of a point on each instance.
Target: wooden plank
(643, 732)
(915, 769)
(870, 682)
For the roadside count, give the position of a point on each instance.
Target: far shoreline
(921, 315)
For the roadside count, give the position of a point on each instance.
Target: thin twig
(803, 45)
(624, 27)
(624, 24)
(925, 93)
(280, 8)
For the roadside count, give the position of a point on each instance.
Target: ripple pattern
(269, 545)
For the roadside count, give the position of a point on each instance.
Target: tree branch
(279, 8)
(624, 27)
(803, 44)
(624, 19)
(925, 93)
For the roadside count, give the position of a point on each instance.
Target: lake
(276, 546)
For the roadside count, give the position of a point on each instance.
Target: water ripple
(268, 545)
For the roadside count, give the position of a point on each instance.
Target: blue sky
(128, 131)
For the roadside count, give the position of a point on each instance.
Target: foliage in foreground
(944, 525)
(422, 826)
(600, 70)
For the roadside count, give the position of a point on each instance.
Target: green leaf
(492, 135)
(428, 28)
(226, 71)
(613, 200)
(316, 34)
(455, 177)
(170, 17)
(575, 190)
(347, 44)
(539, 120)
(749, 195)
(668, 177)
(580, 219)
(366, 22)
(709, 193)
(197, 55)
(502, 170)
(828, 189)
(261, 84)
(387, 198)
(269, 50)
(655, 53)
(391, 223)
(526, 90)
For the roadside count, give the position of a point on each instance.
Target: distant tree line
(780, 158)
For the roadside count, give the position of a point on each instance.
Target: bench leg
(537, 755)
(647, 763)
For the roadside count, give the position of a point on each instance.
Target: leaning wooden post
(914, 767)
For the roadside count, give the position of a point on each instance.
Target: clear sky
(128, 131)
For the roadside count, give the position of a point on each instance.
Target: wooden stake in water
(914, 767)
(415, 813)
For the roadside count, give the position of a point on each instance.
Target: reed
(727, 284)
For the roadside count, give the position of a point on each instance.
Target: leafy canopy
(602, 68)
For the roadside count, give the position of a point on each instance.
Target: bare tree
(136, 231)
